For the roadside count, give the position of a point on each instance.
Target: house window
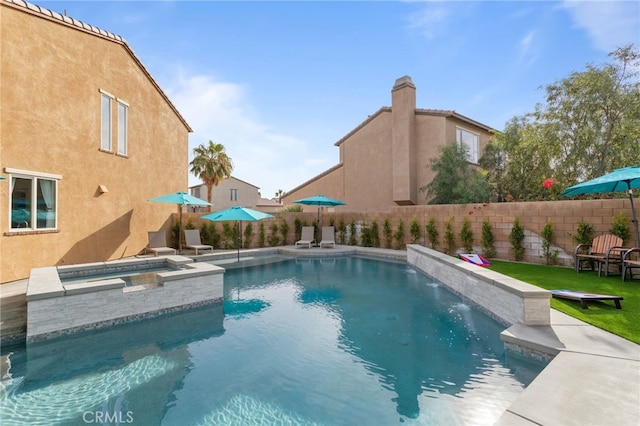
(105, 121)
(123, 109)
(233, 194)
(34, 200)
(471, 141)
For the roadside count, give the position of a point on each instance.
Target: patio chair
(158, 243)
(604, 250)
(629, 262)
(307, 238)
(192, 241)
(328, 237)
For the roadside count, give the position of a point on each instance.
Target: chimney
(403, 134)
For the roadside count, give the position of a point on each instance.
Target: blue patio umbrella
(320, 201)
(238, 214)
(181, 199)
(625, 179)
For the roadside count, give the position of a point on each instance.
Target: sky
(279, 83)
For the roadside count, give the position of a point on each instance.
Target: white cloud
(220, 111)
(429, 20)
(609, 24)
(528, 56)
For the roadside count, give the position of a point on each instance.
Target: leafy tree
(414, 230)
(584, 233)
(455, 181)
(353, 240)
(620, 227)
(279, 194)
(261, 235)
(550, 256)
(588, 125)
(211, 164)
(284, 231)
(399, 235)
(387, 233)
(248, 235)
(375, 235)
(273, 239)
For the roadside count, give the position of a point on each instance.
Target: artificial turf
(624, 322)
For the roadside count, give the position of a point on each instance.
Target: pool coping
(593, 378)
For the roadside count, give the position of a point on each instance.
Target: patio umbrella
(626, 179)
(238, 214)
(320, 201)
(181, 199)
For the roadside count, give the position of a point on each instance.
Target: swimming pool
(333, 341)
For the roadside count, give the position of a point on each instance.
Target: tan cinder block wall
(51, 75)
(564, 216)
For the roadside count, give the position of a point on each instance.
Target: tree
(455, 181)
(279, 194)
(211, 164)
(589, 125)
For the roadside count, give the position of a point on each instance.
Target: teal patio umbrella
(320, 201)
(626, 179)
(238, 214)
(181, 199)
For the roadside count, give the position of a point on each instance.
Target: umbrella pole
(180, 229)
(635, 218)
(239, 242)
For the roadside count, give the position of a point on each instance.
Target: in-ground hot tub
(61, 301)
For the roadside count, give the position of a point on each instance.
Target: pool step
(13, 311)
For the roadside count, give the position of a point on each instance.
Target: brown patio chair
(604, 250)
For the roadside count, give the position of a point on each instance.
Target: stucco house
(384, 161)
(234, 192)
(87, 136)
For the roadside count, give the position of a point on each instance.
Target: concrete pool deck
(594, 378)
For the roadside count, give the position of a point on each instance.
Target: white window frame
(106, 114)
(463, 137)
(123, 127)
(32, 223)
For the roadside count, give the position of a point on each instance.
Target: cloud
(527, 54)
(429, 20)
(262, 156)
(609, 24)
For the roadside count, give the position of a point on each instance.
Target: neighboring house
(233, 192)
(86, 138)
(384, 161)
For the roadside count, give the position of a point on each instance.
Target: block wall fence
(564, 216)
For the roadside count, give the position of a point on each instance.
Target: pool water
(339, 341)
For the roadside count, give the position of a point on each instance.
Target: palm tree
(211, 164)
(279, 194)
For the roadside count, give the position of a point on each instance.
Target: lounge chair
(192, 241)
(328, 237)
(158, 243)
(307, 238)
(629, 262)
(604, 250)
(583, 298)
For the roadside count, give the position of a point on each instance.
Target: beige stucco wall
(51, 75)
(385, 160)
(248, 195)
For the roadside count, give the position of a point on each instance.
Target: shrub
(414, 230)
(342, 231)
(387, 233)
(297, 208)
(261, 235)
(432, 233)
(189, 224)
(297, 228)
(466, 235)
(488, 247)
(248, 235)
(273, 239)
(584, 233)
(399, 236)
(551, 257)
(516, 238)
(284, 231)
(353, 240)
(366, 239)
(620, 227)
(230, 234)
(375, 236)
(450, 237)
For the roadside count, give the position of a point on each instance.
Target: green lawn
(624, 322)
